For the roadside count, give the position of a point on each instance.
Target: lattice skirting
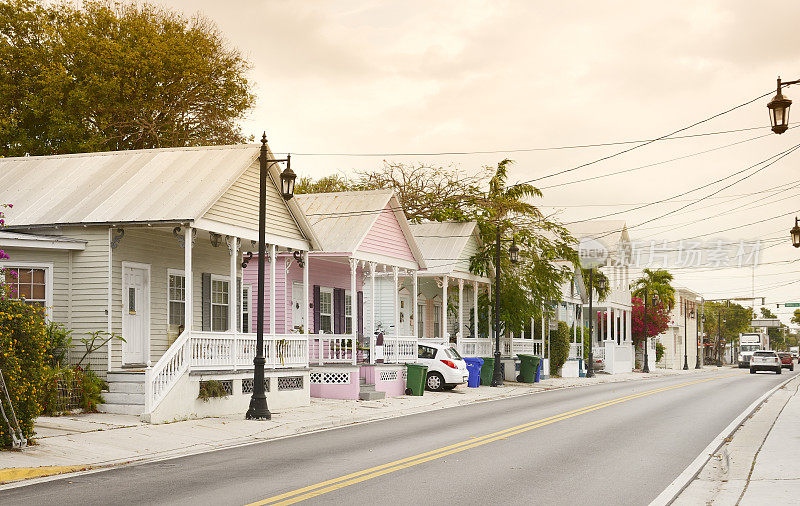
(330, 378)
(247, 385)
(389, 375)
(290, 383)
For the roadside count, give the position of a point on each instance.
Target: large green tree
(110, 76)
(655, 284)
(734, 319)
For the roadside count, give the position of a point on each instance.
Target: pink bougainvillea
(658, 319)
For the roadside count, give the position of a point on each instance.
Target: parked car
(786, 360)
(446, 368)
(764, 360)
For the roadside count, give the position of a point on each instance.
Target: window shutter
(360, 313)
(338, 311)
(206, 298)
(315, 329)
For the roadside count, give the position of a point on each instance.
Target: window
(220, 289)
(176, 297)
(348, 313)
(29, 283)
(437, 320)
(325, 310)
(246, 308)
(426, 352)
(421, 319)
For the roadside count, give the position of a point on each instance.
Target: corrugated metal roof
(609, 232)
(341, 220)
(122, 186)
(442, 243)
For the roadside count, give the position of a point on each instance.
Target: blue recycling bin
(474, 365)
(538, 371)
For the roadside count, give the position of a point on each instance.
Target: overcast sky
(425, 77)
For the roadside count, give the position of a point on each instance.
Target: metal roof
(22, 240)
(611, 233)
(442, 242)
(149, 185)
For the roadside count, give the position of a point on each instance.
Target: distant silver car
(765, 360)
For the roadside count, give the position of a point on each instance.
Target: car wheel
(791, 367)
(448, 387)
(752, 371)
(435, 382)
(779, 370)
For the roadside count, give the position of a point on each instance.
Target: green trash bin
(527, 368)
(416, 375)
(487, 371)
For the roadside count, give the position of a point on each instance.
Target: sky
(421, 77)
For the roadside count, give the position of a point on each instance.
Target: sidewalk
(758, 465)
(69, 443)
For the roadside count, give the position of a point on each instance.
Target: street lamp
(685, 334)
(601, 286)
(646, 367)
(258, 402)
(779, 109)
(795, 232)
(513, 255)
(700, 348)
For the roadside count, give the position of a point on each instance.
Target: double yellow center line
(302, 494)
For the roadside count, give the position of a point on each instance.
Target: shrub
(70, 388)
(23, 361)
(559, 347)
(659, 351)
(59, 340)
(211, 388)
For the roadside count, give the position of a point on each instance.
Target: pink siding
(324, 272)
(387, 238)
(345, 391)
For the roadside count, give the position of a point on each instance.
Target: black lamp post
(719, 337)
(513, 255)
(646, 367)
(699, 342)
(685, 337)
(258, 402)
(601, 284)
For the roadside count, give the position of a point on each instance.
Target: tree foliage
(559, 347)
(110, 76)
(656, 284)
(734, 319)
(796, 317)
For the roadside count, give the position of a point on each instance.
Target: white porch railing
(525, 346)
(219, 350)
(432, 340)
(575, 350)
(472, 347)
(399, 349)
(598, 355)
(332, 349)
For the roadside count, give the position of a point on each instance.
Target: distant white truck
(750, 342)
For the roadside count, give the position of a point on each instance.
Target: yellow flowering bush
(23, 360)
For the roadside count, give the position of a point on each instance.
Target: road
(615, 443)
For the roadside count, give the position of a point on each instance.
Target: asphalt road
(618, 443)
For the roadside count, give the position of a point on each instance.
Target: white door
(298, 311)
(406, 312)
(135, 315)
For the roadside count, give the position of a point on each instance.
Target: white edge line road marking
(683, 480)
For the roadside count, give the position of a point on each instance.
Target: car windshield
(764, 353)
(452, 353)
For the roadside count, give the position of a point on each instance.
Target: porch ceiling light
(216, 239)
(287, 180)
(513, 251)
(795, 231)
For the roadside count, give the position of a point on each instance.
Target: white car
(446, 368)
(765, 360)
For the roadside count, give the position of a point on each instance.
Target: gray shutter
(206, 298)
(360, 313)
(315, 329)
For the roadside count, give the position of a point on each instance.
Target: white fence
(219, 350)
(399, 349)
(332, 349)
(472, 347)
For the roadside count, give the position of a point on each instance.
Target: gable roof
(443, 243)
(133, 186)
(342, 220)
(20, 240)
(613, 234)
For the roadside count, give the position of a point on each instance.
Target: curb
(679, 484)
(21, 473)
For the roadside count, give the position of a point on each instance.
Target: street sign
(792, 304)
(766, 322)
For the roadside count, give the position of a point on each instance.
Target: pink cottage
(364, 238)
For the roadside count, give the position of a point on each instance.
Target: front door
(135, 315)
(298, 311)
(405, 315)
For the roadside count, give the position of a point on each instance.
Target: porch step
(368, 393)
(125, 395)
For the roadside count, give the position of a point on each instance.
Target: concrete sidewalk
(99, 440)
(758, 465)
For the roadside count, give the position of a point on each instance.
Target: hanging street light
(258, 402)
(779, 109)
(513, 251)
(795, 232)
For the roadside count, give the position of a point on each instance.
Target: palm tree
(656, 283)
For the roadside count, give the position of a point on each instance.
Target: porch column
(233, 249)
(306, 284)
(460, 332)
(372, 266)
(188, 313)
(445, 282)
(489, 310)
(395, 348)
(273, 253)
(414, 302)
(353, 307)
(475, 309)
(609, 335)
